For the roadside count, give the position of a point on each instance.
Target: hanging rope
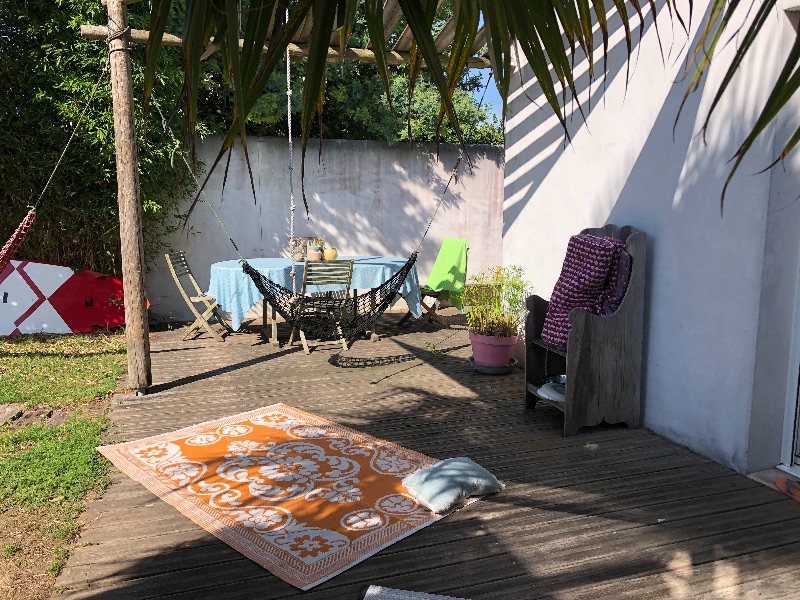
(291, 160)
(454, 172)
(13, 244)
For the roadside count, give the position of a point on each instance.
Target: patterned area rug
(301, 496)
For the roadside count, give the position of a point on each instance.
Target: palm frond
(159, 14)
(373, 14)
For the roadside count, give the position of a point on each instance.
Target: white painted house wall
(364, 197)
(708, 317)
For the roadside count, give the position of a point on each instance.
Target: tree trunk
(137, 334)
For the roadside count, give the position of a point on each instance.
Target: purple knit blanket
(594, 277)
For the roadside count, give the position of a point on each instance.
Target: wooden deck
(609, 513)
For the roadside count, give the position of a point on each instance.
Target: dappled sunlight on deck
(607, 513)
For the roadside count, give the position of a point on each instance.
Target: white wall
(364, 197)
(778, 342)
(626, 166)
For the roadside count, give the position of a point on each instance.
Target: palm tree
(549, 32)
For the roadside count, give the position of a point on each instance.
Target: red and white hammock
(13, 244)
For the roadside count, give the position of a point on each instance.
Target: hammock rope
(15, 241)
(292, 205)
(13, 244)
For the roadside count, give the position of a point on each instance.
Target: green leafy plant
(494, 301)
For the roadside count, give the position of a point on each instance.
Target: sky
(492, 96)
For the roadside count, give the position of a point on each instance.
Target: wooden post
(137, 333)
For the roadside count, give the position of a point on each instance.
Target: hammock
(13, 244)
(355, 316)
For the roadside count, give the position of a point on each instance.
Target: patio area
(608, 513)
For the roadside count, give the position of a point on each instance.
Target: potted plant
(494, 303)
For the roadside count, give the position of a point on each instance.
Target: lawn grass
(59, 370)
(42, 465)
(47, 470)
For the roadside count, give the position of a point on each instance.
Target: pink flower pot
(491, 351)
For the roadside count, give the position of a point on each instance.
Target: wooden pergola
(119, 37)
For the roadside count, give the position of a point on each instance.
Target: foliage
(494, 301)
(548, 34)
(356, 107)
(355, 104)
(48, 74)
(720, 15)
(59, 370)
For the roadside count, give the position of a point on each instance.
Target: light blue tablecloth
(236, 293)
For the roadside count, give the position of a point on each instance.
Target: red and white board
(38, 297)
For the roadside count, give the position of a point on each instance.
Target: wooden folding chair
(176, 261)
(327, 304)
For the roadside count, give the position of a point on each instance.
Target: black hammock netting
(323, 315)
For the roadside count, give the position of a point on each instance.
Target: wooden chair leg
(192, 329)
(275, 343)
(428, 313)
(435, 317)
(225, 325)
(207, 313)
(305, 343)
(405, 318)
(201, 322)
(341, 338)
(210, 329)
(291, 336)
(272, 340)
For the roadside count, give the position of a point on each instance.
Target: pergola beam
(296, 51)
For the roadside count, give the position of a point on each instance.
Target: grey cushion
(447, 484)
(376, 592)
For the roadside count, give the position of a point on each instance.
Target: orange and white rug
(301, 496)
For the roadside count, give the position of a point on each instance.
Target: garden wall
(365, 197)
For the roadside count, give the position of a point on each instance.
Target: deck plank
(608, 513)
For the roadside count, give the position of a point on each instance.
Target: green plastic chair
(446, 281)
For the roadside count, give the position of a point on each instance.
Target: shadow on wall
(696, 258)
(532, 150)
(365, 198)
(381, 203)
